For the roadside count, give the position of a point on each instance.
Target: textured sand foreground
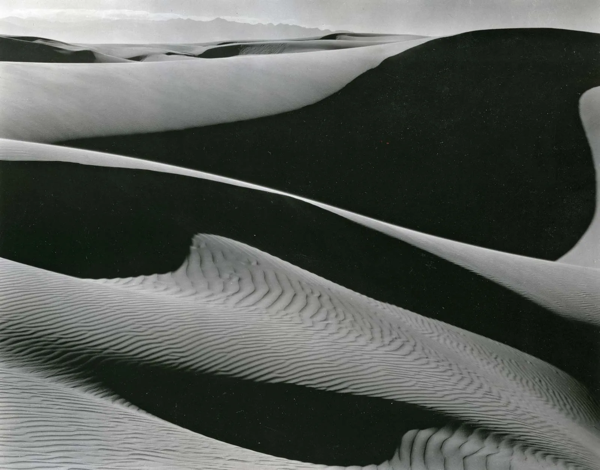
(233, 310)
(79, 426)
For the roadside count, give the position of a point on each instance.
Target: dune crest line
(567, 290)
(587, 250)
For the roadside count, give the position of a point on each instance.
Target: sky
(426, 17)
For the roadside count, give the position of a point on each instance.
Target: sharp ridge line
(568, 290)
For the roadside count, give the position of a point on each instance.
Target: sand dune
(76, 236)
(587, 250)
(34, 49)
(78, 427)
(176, 95)
(233, 310)
(23, 49)
(239, 359)
(350, 36)
(290, 47)
(429, 139)
(130, 51)
(61, 425)
(570, 291)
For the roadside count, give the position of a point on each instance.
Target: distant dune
(287, 47)
(35, 49)
(31, 49)
(61, 103)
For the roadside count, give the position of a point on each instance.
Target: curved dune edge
(74, 427)
(234, 310)
(48, 424)
(567, 290)
(69, 101)
(587, 251)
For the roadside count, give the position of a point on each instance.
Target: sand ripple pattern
(231, 309)
(54, 424)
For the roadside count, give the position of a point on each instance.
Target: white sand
(68, 101)
(64, 425)
(126, 51)
(234, 310)
(568, 290)
(51, 424)
(587, 251)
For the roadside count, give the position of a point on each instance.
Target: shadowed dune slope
(570, 291)
(233, 310)
(587, 250)
(65, 424)
(61, 427)
(24, 49)
(459, 137)
(86, 221)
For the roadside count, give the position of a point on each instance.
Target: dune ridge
(242, 313)
(587, 250)
(39, 49)
(567, 290)
(294, 47)
(430, 138)
(173, 95)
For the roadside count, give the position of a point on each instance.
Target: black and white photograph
(300, 235)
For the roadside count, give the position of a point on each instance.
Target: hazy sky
(430, 17)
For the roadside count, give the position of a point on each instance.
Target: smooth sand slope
(570, 291)
(587, 250)
(233, 310)
(64, 101)
(440, 139)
